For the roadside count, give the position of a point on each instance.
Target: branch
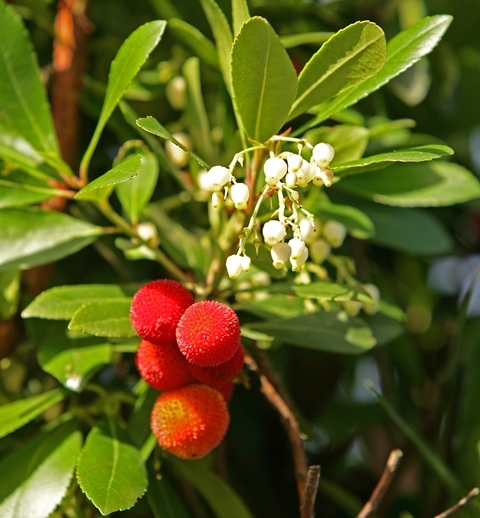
(461, 503)
(268, 387)
(382, 485)
(308, 503)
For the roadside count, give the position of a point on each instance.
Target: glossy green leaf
(104, 318)
(276, 305)
(72, 361)
(110, 471)
(240, 14)
(197, 42)
(384, 329)
(22, 95)
(35, 478)
(151, 125)
(220, 496)
(405, 49)
(18, 413)
(359, 225)
(351, 56)
(14, 194)
(102, 186)
(264, 81)
(32, 237)
(327, 290)
(222, 34)
(162, 497)
(136, 193)
(426, 185)
(408, 230)
(321, 331)
(382, 160)
(9, 292)
(61, 302)
(131, 56)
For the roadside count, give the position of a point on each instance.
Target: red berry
(219, 374)
(226, 389)
(156, 309)
(208, 333)
(163, 367)
(190, 421)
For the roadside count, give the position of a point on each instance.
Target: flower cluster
(190, 351)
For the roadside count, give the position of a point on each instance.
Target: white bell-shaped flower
(319, 251)
(177, 156)
(275, 169)
(294, 162)
(297, 246)
(280, 255)
(273, 232)
(291, 180)
(323, 154)
(239, 193)
(352, 307)
(374, 293)
(176, 92)
(308, 232)
(217, 198)
(246, 263)
(299, 261)
(334, 232)
(218, 177)
(234, 266)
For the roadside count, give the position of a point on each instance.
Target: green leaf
(13, 194)
(240, 14)
(15, 415)
(408, 230)
(22, 95)
(162, 497)
(101, 187)
(359, 225)
(136, 193)
(321, 331)
(384, 329)
(427, 185)
(222, 34)
(276, 305)
(295, 40)
(9, 292)
(151, 125)
(327, 290)
(61, 302)
(71, 361)
(351, 56)
(382, 160)
(131, 56)
(197, 42)
(35, 478)
(110, 471)
(32, 237)
(405, 49)
(223, 500)
(104, 318)
(264, 81)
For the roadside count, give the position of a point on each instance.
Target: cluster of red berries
(190, 351)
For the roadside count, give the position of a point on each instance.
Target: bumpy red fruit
(219, 374)
(163, 367)
(208, 333)
(156, 310)
(226, 389)
(190, 421)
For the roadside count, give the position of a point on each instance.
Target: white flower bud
(275, 169)
(294, 162)
(299, 261)
(308, 171)
(323, 154)
(334, 232)
(217, 199)
(273, 232)
(280, 255)
(308, 232)
(239, 194)
(147, 230)
(246, 263)
(352, 307)
(374, 293)
(176, 92)
(291, 180)
(234, 266)
(319, 250)
(218, 176)
(177, 155)
(297, 246)
(202, 180)
(322, 176)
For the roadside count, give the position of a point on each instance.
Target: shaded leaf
(22, 95)
(110, 471)
(276, 305)
(351, 56)
(13, 194)
(327, 290)
(18, 413)
(35, 478)
(104, 318)
(384, 329)
(359, 225)
(9, 292)
(294, 40)
(31, 237)
(240, 14)
(264, 81)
